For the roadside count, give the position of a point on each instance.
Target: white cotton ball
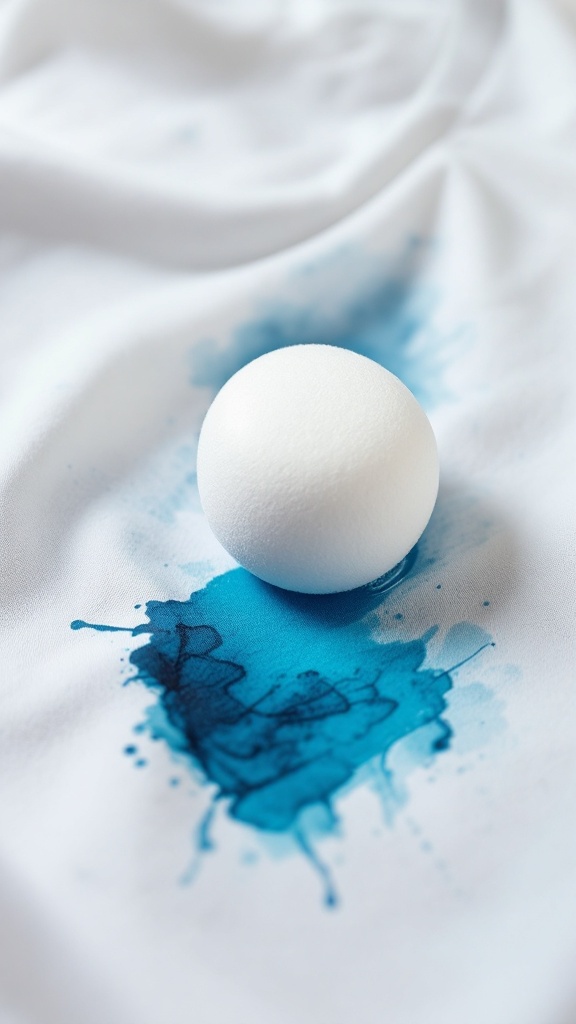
(317, 468)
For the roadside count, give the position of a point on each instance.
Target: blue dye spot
(462, 639)
(352, 303)
(330, 894)
(141, 762)
(204, 837)
(249, 857)
(130, 750)
(485, 604)
(174, 781)
(476, 716)
(297, 698)
(280, 698)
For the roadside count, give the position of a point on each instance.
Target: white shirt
(184, 185)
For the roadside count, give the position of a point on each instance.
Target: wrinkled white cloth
(168, 170)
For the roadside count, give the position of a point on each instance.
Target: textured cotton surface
(317, 469)
(226, 804)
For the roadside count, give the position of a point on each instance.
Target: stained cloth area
(221, 802)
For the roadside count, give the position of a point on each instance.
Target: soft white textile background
(166, 166)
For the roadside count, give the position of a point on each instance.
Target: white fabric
(167, 168)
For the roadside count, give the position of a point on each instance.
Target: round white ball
(317, 468)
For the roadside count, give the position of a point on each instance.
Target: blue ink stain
(249, 857)
(476, 716)
(485, 604)
(130, 749)
(330, 894)
(279, 699)
(204, 837)
(80, 624)
(174, 485)
(353, 302)
(203, 843)
(461, 639)
(141, 762)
